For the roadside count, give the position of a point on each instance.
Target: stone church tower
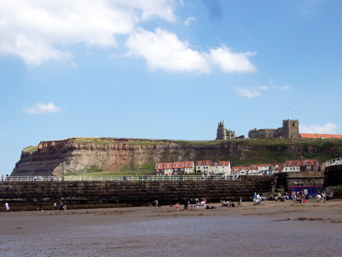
(223, 133)
(290, 129)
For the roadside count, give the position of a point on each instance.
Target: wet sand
(272, 229)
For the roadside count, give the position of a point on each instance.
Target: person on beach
(7, 206)
(255, 195)
(186, 202)
(177, 207)
(61, 206)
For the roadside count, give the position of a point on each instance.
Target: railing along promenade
(332, 162)
(120, 178)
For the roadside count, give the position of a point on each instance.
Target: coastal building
(225, 168)
(239, 170)
(178, 168)
(189, 167)
(174, 168)
(309, 165)
(204, 166)
(279, 167)
(168, 168)
(159, 169)
(290, 130)
(254, 170)
(264, 168)
(292, 166)
(319, 136)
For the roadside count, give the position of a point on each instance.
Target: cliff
(112, 154)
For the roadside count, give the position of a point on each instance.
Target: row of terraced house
(224, 167)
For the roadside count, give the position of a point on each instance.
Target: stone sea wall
(28, 196)
(333, 180)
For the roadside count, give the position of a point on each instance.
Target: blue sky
(166, 69)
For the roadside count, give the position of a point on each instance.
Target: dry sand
(272, 229)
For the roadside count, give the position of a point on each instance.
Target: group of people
(153, 203)
(4, 179)
(186, 204)
(230, 203)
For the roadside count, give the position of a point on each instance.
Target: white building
(204, 166)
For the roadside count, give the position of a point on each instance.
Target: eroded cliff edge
(112, 154)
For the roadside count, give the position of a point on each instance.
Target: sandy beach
(272, 229)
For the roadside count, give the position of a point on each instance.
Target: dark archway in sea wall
(26, 196)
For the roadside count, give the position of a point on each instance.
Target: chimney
(301, 158)
(259, 162)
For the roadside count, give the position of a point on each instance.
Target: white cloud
(329, 128)
(164, 50)
(181, 3)
(38, 31)
(263, 87)
(285, 88)
(188, 20)
(41, 108)
(248, 92)
(270, 80)
(231, 62)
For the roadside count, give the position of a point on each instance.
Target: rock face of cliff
(111, 154)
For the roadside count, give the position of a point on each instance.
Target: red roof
(280, 166)
(315, 135)
(224, 163)
(178, 165)
(159, 166)
(308, 163)
(189, 164)
(168, 165)
(253, 167)
(201, 163)
(239, 168)
(292, 163)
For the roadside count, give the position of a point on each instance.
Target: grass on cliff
(30, 149)
(109, 140)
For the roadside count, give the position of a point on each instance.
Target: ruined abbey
(290, 129)
(223, 133)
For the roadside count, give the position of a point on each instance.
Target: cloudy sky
(165, 69)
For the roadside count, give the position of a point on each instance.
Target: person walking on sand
(7, 206)
(61, 206)
(177, 207)
(186, 202)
